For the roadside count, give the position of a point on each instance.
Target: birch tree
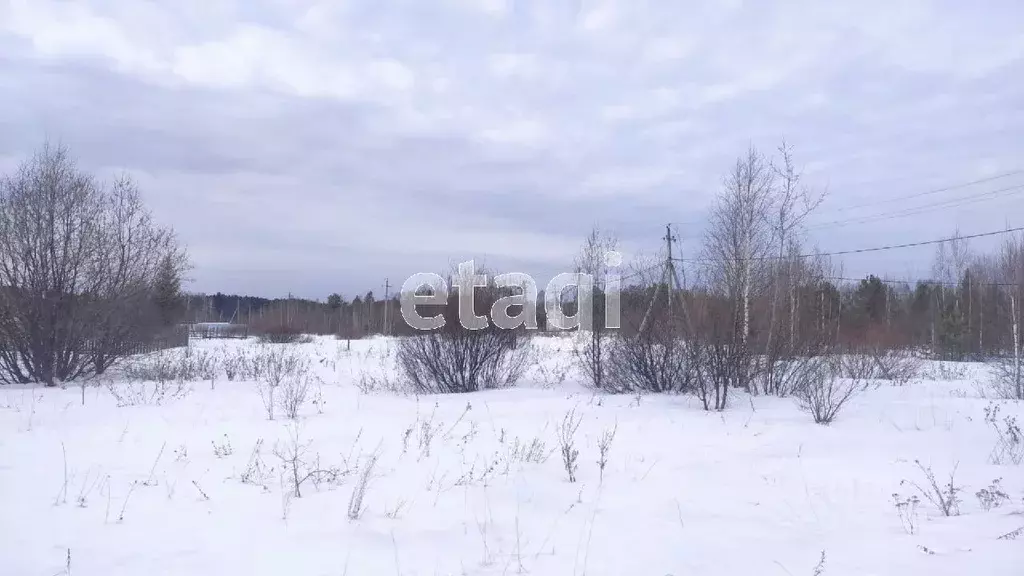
(738, 238)
(1009, 378)
(591, 350)
(791, 203)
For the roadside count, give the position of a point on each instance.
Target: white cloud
(511, 64)
(666, 49)
(488, 7)
(525, 132)
(371, 113)
(598, 15)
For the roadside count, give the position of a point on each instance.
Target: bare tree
(739, 237)
(1008, 377)
(592, 348)
(141, 275)
(791, 203)
(78, 263)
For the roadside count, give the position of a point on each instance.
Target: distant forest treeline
(355, 318)
(954, 320)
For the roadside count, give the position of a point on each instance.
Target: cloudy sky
(311, 146)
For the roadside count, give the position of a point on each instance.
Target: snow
(759, 489)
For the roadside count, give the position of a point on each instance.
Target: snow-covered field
(475, 484)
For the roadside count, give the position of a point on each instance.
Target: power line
(913, 211)
(915, 244)
(640, 272)
(873, 249)
(930, 192)
(912, 282)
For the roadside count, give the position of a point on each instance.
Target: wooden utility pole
(669, 279)
(387, 297)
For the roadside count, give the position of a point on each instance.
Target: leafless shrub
(823, 393)
(200, 365)
(267, 392)
(567, 443)
(158, 367)
(1009, 447)
(648, 362)
(604, 446)
(277, 365)
(386, 375)
(223, 449)
(283, 334)
(533, 452)
(232, 362)
(880, 363)
(899, 366)
(945, 371)
(297, 470)
(718, 354)
(355, 501)
(992, 496)
(552, 376)
(251, 364)
(140, 393)
(906, 509)
(294, 390)
(481, 473)
(153, 378)
(455, 358)
(426, 432)
(718, 367)
(318, 399)
(857, 366)
(1007, 379)
(256, 471)
(793, 373)
(946, 497)
(650, 353)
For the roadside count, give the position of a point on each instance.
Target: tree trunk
(981, 321)
(1016, 348)
(794, 308)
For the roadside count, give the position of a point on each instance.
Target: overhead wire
(872, 249)
(930, 192)
(912, 282)
(913, 210)
(916, 210)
